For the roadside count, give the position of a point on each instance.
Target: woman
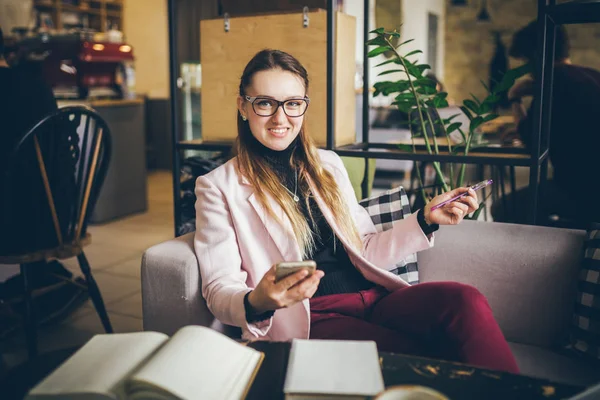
(281, 199)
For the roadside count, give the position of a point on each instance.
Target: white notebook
(325, 368)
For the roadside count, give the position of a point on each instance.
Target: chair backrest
(53, 178)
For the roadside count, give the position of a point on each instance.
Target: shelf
(107, 2)
(104, 9)
(199, 144)
(89, 10)
(46, 6)
(443, 144)
(575, 12)
(390, 152)
(488, 156)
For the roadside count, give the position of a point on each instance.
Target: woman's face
(278, 130)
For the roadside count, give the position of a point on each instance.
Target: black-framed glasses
(265, 106)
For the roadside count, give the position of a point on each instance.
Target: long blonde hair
(305, 158)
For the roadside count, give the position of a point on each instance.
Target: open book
(196, 363)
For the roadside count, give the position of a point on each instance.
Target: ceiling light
(484, 15)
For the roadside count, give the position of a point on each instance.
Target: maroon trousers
(445, 320)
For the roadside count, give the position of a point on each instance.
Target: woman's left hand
(454, 212)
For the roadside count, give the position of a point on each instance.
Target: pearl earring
(244, 118)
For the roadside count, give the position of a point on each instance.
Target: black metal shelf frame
(173, 72)
(575, 12)
(212, 146)
(550, 15)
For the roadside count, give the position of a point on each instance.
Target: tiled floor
(115, 258)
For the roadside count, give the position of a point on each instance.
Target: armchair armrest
(528, 274)
(171, 287)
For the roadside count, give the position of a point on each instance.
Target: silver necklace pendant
(296, 198)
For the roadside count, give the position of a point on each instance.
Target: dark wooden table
(456, 381)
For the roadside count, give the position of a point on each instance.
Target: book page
(333, 367)
(99, 366)
(199, 363)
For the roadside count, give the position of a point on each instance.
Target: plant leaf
(405, 42)
(412, 53)
(417, 70)
(405, 97)
(378, 41)
(426, 90)
(478, 211)
(475, 99)
(458, 148)
(378, 50)
(405, 147)
(386, 62)
(425, 82)
(388, 87)
(466, 111)
(485, 86)
(492, 99)
(425, 98)
(471, 105)
(423, 67)
(439, 101)
(452, 127)
(489, 117)
(464, 137)
(450, 118)
(485, 108)
(404, 106)
(476, 122)
(390, 71)
(509, 78)
(380, 31)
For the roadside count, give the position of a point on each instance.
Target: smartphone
(284, 269)
(476, 187)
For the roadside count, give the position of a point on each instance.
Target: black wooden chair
(51, 184)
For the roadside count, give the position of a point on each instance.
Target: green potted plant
(416, 95)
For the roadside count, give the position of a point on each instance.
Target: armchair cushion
(385, 210)
(585, 327)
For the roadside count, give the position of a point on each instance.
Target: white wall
(414, 26)
(15, 13)
(146, 30)
(355, 8)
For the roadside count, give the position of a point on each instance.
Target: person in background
(282, 199)
(574, 135)
(24, 100)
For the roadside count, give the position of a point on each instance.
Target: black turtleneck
(329, 254)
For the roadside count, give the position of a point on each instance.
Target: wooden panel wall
(146, 29)
(225, 54)
(345, 96)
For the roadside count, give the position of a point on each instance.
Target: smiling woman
(282, 199)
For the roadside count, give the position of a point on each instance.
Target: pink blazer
(236, 242)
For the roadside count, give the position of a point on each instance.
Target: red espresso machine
(77, 67)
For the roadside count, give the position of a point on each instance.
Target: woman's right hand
(270, 295)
